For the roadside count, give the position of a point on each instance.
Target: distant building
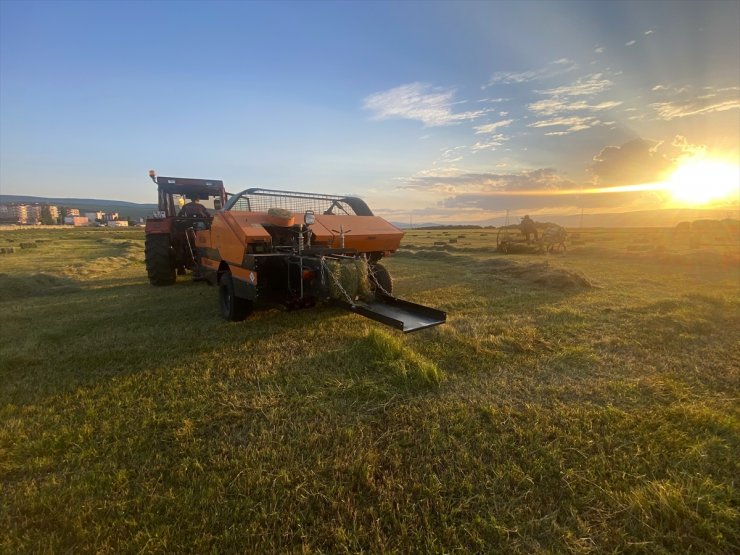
(33, 213)
(117, 223)
(77, 221)
(73, 212)
(15, 213)
(111, 216)
(94, 216)
(8, 213)
(20, 213)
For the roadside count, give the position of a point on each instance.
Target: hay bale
(461, 236)
(439, 243)
(281, 213)
(352, 276)
(452, 240)
(29, 245)
(7, 250)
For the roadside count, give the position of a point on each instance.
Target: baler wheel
(233, 308)
(160, 260)
(380, 279)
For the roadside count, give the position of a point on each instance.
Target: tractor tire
(160, 260)
(233, 308)
(380, 279)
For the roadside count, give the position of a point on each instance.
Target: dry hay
(281, 213)
(659, 255)
(452, 240)
(29, 245)
(15, 287)
(437, 254)
(540, 273)
(133, 253)
(7, 250)
(349, 278)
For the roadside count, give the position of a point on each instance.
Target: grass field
(585, 402)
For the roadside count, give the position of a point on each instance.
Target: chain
(325, 267)
(375, 279)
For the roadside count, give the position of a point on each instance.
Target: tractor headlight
(309, 217)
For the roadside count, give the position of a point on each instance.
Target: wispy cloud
(491, 143)
(552, 106)
(649, 32)
(599, 50)
(571, 124)
(492, 127)
(564, 100)
(630, 43)
(682, 102)
(542, 179)
(421, 102)
(588, 85)
(553, 69)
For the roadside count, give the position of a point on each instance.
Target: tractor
(296, 249)
(170, 232)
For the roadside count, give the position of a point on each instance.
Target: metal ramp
(397, 313)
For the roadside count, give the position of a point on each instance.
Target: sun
(700, 181)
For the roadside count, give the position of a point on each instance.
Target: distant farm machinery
(515, 240)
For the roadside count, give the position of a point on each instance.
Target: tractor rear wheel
(160, 259)
(381, 279)
(233, 308)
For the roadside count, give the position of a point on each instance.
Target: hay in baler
(352, 276)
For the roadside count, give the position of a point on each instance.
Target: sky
(436, 111)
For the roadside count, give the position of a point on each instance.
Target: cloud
(421, 102)
(635, 162)
(630, 43)
(492, 143)
(649, 32)
(555, 105)
(588, 85)
(539, 189)
(599, 50)
(682, 102)
(571, 123)
(557, 67)
(540, 179)
(492, 127)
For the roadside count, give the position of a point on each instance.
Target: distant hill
(124, 208)
(644, 218)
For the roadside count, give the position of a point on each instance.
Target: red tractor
(171, 230)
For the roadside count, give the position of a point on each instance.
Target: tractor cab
(175, 192)
(171, 229)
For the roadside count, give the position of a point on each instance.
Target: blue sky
(429, 108)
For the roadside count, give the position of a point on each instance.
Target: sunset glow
(699, 181)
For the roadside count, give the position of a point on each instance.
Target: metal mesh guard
(295, 202)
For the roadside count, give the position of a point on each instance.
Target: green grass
(545, 416)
